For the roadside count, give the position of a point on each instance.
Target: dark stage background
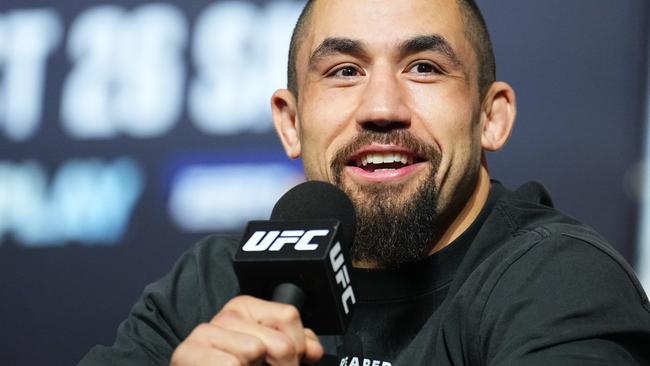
(130, 129)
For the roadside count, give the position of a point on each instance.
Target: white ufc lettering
(342, 276)
(275, 240)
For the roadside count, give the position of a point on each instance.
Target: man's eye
(424, 68)
(345, 72)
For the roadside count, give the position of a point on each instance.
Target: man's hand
(250, 331)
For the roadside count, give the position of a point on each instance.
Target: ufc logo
(274, 240)
(342, 276)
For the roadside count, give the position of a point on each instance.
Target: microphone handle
(288, 293)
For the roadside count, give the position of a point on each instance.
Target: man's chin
(395, 222)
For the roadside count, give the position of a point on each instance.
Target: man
(396, 103)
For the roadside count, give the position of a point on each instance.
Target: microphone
(300, 256)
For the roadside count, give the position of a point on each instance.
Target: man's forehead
(383, 22)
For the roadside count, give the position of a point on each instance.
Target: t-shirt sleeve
(195, 289)
(566, 301)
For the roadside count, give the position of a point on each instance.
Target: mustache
(397, 137)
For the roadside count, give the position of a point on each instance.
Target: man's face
(388, 110)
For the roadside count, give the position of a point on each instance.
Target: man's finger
(247, 348)
(197, 354)
(280, 348)
(282, 317)
(313, 351)
(309, 334)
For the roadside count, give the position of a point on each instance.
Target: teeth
(383, 158)
(389, 158)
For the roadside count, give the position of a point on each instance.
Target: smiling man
(396, 116)
(396, 102)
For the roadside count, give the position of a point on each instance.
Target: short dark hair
(299, 34)
(475, 30)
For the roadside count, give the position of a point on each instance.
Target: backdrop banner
(130, 129)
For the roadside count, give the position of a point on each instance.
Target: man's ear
(498, 115)
(285, 119)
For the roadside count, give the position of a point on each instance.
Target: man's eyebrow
(336, 45)
(430, 42)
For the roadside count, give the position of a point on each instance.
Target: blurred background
(130, 129)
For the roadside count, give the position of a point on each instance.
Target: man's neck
(469, 213)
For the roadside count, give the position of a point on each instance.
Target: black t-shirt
(524, 285)
(398, 302)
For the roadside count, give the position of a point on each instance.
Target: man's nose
(382, 105)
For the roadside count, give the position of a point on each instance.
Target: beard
(396, 223)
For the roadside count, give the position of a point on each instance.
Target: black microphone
(300, 256)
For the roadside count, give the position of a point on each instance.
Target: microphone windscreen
(315, 200)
